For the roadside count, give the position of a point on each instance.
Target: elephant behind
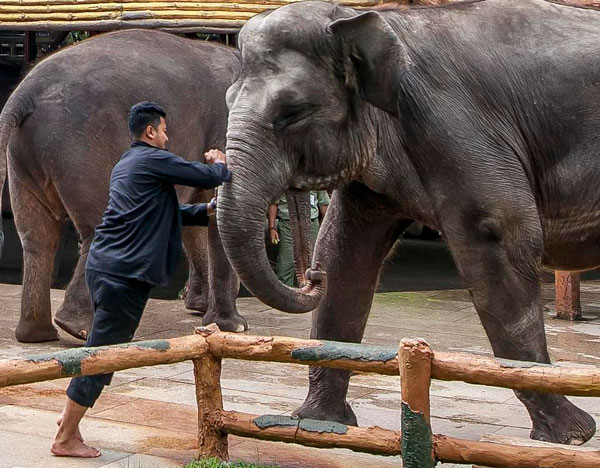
(63, 130)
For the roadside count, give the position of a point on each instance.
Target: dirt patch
(26, 390)
(171, 443)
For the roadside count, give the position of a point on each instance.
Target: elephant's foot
(329, 412)
(563, 424)
(34, 332)
(196, 302)
(232, 322)
(75, 322)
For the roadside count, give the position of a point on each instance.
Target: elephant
(64, 128)
(478, 118)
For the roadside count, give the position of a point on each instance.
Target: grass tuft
(216, 463)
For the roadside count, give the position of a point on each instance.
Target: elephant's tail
(18, 107)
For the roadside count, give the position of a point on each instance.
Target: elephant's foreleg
(39, 230)
(498, 252)
(223, 287)
(355, 237)
(195, 244)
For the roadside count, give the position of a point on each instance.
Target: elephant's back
(130, 63)
(76, 128)
(101, 78)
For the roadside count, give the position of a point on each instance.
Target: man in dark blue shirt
(136, 247)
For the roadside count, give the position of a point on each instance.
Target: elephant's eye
(291, 114)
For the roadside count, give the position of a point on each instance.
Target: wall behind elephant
(11, 262)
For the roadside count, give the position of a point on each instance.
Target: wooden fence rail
(413, 360)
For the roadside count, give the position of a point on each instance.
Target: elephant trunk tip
(316, 276)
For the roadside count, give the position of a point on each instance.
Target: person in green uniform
(281, 233)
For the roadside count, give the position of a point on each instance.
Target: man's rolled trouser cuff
(87, 389)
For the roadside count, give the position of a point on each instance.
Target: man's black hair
(143, 114)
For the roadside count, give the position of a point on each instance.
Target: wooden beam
(452, 450)
(312, 433)
(30, 47)
(517, 375)
(57, 5)
(195, 25)
(71, 8)
(375, 440)
(100, 360)
(155, 14)
(212, 442)
(415, 370)
(567, 292)
(350, 356)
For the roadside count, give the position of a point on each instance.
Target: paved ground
(147, 418)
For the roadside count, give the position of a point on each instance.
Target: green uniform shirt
(317, 198)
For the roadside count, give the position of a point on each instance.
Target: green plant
(76, 36)
(136, 464)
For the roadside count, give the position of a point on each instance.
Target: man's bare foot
(73, 448)
(78, 435)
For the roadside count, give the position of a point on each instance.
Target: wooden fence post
(212, 442)
(568, 303)
(415, 369)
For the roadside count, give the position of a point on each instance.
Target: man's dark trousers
(118, 306)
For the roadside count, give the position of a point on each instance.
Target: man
(136, 247)
(282, 234)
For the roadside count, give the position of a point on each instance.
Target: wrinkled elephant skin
(478, 118)
(65, 127)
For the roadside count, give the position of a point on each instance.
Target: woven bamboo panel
(176, 15)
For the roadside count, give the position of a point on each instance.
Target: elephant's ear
(377, 55)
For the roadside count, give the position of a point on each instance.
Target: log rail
(414, 361)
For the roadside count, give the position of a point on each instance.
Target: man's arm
(323, 203)
(323, 210)
(169, 167)
(272, 216)
(194, 215)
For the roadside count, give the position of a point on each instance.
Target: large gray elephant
(479, 118)
(65, 128)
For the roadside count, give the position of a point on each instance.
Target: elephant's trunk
(243, 205)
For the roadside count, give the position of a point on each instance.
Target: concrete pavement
(147, 418)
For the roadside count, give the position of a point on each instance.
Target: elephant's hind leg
(39, 230)
(195, 245)
(498, 251)
(76, 314)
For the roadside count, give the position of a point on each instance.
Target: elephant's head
(299, 119)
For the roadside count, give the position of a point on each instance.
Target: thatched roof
(180, 15)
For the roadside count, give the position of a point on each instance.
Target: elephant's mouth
(307, 182)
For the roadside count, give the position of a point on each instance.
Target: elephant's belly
(572, 244)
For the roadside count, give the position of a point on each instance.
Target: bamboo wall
(181, 15)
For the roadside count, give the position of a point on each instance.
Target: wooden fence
(414, 361)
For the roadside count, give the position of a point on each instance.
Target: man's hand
(211, 208)
(274, 235)
(215, 156)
